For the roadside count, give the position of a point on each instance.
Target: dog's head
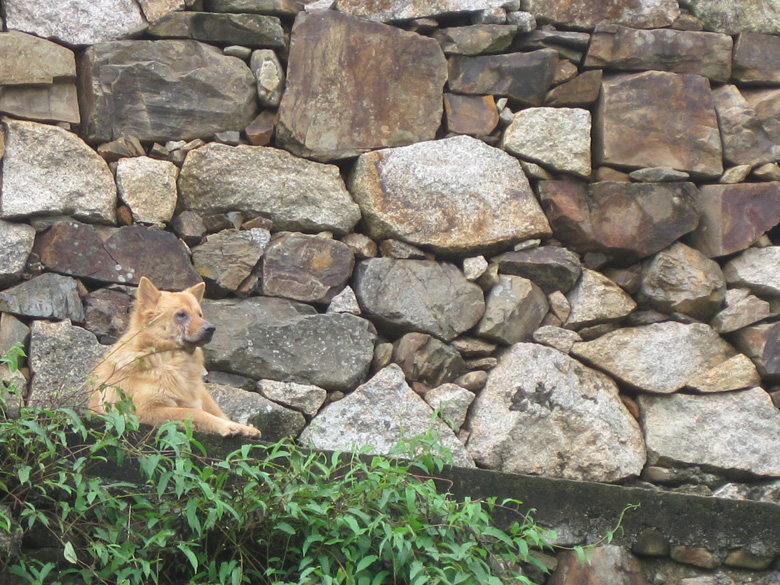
(172, 320)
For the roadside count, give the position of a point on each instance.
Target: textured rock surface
(514, 308)
(16, 242)
(606, 564)
(389, 10)
(249, 408)
(50, 171)
(265, 337)
(249, 30)
(228, 257)
(29, 60)
(74, 22)
(558, 138)
(761, 343)
(418, 295)
(549, 267)
(380, 87)
(542, 412)
(306, 268)
(665, 120)
(61, 360)
(148, 188)
(648, 14)
(741, 309)
(524, 77)
(163, 90)
(454, 195)
(735, 216)
(301, 397)
(736, 373)
(452, 402)
(118, 255)
(730, 432)
(423, 358)
(48, 296)
(631, 220)
(757, 269)
(596, 299)
(633, 354)
(295, 194)
(682, 279)
(379, 413)
(750, 15)
(628, 49)
(745, 139)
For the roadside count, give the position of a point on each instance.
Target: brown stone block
(473, 115)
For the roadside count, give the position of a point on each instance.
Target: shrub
(268, 514)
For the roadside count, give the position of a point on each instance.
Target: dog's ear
(147, 294)
(197, 291)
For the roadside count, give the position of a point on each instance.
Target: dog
(158, 363)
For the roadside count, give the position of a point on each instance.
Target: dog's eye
(181, 315)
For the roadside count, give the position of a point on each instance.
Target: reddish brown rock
(735, 216)
(355, 85)
(580, 91)
(629, 220)
(475, 40)
(306, 268)
(261, 130)
(606, 564)
(551, 268)
(629, 49)
(575, 13)
(755, 59)
(472, 115)
(119, 255)
(524, 77)
(107, 313)
(658, 119)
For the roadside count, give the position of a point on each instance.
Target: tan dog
(158, 362)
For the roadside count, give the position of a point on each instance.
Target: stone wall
(555, 221)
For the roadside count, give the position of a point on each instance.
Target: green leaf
(190, 554)
(70, 553)
(192, 516)
(365, 562)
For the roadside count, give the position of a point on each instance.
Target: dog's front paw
(234, 429)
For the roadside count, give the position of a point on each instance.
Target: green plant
(131, 505)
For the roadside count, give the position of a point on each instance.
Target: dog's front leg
(201, 421)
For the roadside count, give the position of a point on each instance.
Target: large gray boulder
(737, 17)
(391, 10)
(354, 85)
(278, 339)
(645, 14)
(50, 171)
(379, 414)
(731, 432)
(163, 90)
(418, 295)
(658, 358)
(544, 413)
(757, 269)
(454, 195)
(296, 194)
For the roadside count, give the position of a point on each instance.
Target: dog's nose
(209, 329)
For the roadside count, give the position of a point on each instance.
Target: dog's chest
(180, 381)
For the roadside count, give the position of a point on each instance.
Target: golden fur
(158, 362)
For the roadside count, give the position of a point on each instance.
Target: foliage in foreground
(266, 514)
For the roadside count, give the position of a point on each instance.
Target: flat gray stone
(163, 90)
(418, 295)
(757, 269)
(645, 14)
(556, 138)
(250, 408)
(544, 413)
(48, 296)
(278, 339)
(295, 194)
(732, 432)
(596, 299)
(514, 309)
(148, 187)
(75, 22)
(658, 358)
(62, 357)
(379, 414)
(228, 257)
(304, 398)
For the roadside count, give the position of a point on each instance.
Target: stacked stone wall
(554, 222)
